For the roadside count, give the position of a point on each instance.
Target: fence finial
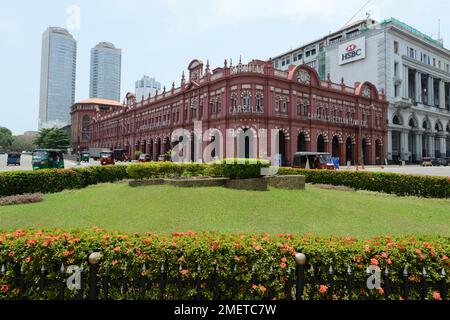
(300, 259)
(94, 258)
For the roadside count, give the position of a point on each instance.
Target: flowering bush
(398, 184)
(272, 258)
(21, 199)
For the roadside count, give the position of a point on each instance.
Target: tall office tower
(58, 76)
(146, 86)
(106, 61)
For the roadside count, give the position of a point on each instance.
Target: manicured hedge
(153, 170)
(398, 184)
(235, 168)
(235, 256)
(56, 180)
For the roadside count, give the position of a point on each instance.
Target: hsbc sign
(352, 51)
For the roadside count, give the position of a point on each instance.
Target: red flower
(214, 247)
(381, 291)
(437, 296)
(116, 249)
(31, 242)
(28, 259)
(389, 261)
(184, 272)
(114, 262)
(5, 288)
(374, 262)
(323, 289)
(283, 265)
(384, 255)
(444, 258)
(11, 254)
(284, 259)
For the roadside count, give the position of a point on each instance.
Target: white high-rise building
(145, 87)
(106, 64)
(58, 76)
(412, 68)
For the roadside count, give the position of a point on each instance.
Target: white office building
(106, 66)
(146, 86)
(412, 68)
(58, 76)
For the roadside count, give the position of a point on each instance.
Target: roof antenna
(357, 12)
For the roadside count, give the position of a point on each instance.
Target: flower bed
(260, 264)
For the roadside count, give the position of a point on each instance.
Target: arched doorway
(301, 143)
(378, 152)
(365, 152)
(349, 150)
(320, 144)
(150, 149)
(246, 143)
(158, 148)
(335, 147)
(282, 146)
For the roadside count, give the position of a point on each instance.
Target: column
(404, 145)
(389, 145)
(418, 146)
(431, 146)
(441, 94)
(430, 91)
(443, 146)
(418, 87)
(405, 82)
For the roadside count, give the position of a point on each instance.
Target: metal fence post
(300, 259)
(94, 260)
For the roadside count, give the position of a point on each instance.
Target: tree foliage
(6, 138)
(53, 138)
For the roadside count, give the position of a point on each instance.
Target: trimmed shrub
(57, 180)
(235, 168)
(21, 199)
(153, 170)
(398, 184)
(234, 255)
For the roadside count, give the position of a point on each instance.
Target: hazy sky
(160, 37)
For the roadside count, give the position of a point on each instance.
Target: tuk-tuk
(84, 156)
(313, 160)
(48, 159)
(107, 158)
(13, 159)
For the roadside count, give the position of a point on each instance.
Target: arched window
(259, 105)
(234, 101)
(85, 128)
(285, 104)
(246, 102)
(219, 105)
(277, 104)
(396, 120)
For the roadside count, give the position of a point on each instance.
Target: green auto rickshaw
(48, 159)
(85, 156)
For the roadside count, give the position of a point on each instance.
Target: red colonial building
(306, 113)
(82, 114)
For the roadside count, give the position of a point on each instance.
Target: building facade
(58, 77)
(106, 66)
(255, 100)
(411, 67)
(82, 114)
(146, 87)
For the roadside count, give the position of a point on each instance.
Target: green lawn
(166, 209)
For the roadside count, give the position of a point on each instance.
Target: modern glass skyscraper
(106, 61)
(58, 76)
(146, 86)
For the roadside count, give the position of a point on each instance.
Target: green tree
(22, 143)
(52, 139)
(6, 138)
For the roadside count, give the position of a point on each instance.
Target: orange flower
(418, 251)
(444, 258)
(381, 291)
(75, 240)
(284, 259)
(389, 261)
(367, 248)
(184, 272)
(384, 255)
(1, 239)
(437, 296)
(258, 248)
(28, 259)
(5, 288)
(262, 289)
(254, 286)
(283, 265)
(116, 249)
(323, 289)
(114, 262)
(374, 262)
(31, 242)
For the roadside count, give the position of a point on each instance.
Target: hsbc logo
(353, 51)
(351, 47)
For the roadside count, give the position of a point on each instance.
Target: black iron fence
(304, 282)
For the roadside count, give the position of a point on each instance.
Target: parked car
(439, 162)
(427, 162)
(313, 160)
(144, 158)
(13, 159)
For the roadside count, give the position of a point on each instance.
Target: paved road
(25, 163)
(431, 171)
